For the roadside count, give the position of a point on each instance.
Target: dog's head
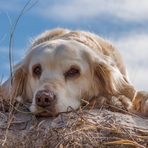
(58, 74)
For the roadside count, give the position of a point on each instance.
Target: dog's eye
(37, 70)
(72, 72)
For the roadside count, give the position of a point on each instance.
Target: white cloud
(134, 49)
(127, 10)
(73, 10)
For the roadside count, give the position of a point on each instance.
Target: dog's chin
(46, 114)
(43, 112)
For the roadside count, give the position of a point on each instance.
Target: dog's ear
(15, 85)
(106, 75)
(108, 78)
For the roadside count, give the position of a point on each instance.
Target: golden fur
(102, 72)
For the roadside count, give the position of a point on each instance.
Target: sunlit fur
(102, 72)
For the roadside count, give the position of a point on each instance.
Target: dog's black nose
(45, 98)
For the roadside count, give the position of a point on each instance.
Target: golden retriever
(64, 67)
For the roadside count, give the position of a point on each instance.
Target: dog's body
(63, 67)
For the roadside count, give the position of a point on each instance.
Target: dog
(64, 67)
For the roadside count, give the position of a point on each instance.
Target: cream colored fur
(102, 72)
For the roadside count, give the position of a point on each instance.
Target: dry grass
(82, 128)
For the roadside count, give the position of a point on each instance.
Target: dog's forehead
(67, 50)
(57, 50)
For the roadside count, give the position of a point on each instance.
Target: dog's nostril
(46, 100)
(38, 100)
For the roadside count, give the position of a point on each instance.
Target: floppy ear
(106, 75)
(15, 86)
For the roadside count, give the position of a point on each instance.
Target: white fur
(56, 52)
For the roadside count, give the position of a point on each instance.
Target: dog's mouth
(48, 111)
(46, 114)
(44, 111)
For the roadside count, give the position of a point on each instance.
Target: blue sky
(123, 22)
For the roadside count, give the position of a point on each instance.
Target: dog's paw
(140, 103)
(146, 108)
(121, 102)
